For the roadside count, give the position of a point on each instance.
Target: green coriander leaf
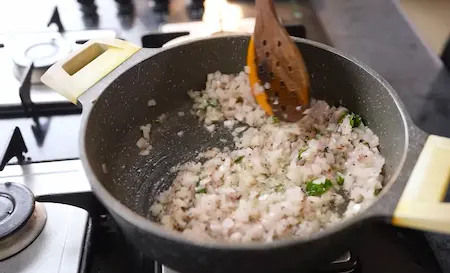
(313, 189)
(213, 103)
(239, 159)
(340, 180)
(279, 188)
(355, 120)
(202, 190)
(301, 151)
(342, 117)
(275, 120)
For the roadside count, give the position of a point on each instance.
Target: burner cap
(26, 235)
(42, 52)
(16, 207)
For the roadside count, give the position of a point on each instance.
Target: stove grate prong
(55, 19)
(15, 147)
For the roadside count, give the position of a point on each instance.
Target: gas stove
(49, 219)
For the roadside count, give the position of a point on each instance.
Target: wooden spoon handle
(267, 10)
(280, 64)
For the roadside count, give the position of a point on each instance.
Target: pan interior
(113, 124)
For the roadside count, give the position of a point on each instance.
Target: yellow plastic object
(421, 205)
(83, 68)
(260, 98)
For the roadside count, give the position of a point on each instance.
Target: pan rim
(157, 230)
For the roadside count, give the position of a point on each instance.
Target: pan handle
(420, 205)
(72, 76)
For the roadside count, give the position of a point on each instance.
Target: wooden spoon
(277, 71)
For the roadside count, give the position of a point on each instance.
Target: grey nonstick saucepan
(113, 80)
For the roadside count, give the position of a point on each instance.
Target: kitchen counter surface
(378, 34)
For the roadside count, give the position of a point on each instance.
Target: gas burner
(26, 235)
(17, 205)
(41, 52)
(21, 219)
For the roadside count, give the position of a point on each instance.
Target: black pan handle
(157, 40)
(85, 200)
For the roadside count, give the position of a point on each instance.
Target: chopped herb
(213, 103)
(157, 121)
(376, 192)
(279, 188)
(240, 100)
(342, 117)
(301, 151)
(339, 180)
(201, 190)
(275, 119)
(313, 189)
(355, 120)
(239, 159)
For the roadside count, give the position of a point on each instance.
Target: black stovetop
(384, 249)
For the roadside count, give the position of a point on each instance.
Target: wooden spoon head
(281, 69)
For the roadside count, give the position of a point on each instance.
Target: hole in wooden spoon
(282, 85)
(279, 43)
(267, 54)
(283, 108)
(277, 63)
(264, 42)
(261, 69)
(290, 68)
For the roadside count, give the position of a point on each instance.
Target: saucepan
(113, 81)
